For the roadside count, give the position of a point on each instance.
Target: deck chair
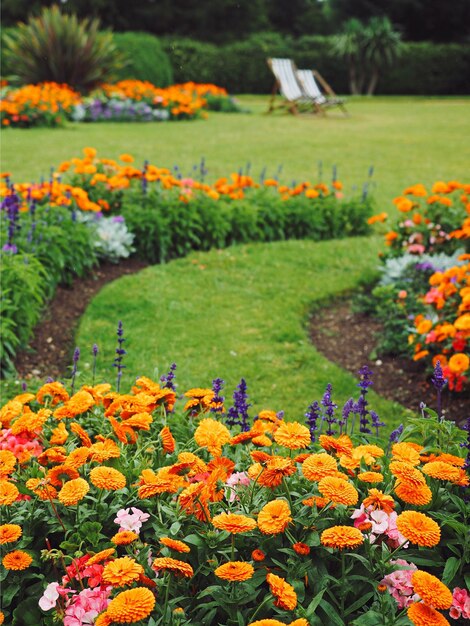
(294, 98)
(308, 80)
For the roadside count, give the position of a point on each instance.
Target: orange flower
(419, 528)
(79, 403)
(338, 490)
(441, 471)
(121, 572)
(318, 501)
(301, 548)
(378, 500)
(9, 533)
(60, 473)
(274, 471)
(174, 544)
(168, 441)
(7, 463)
(124, 537)
(431, 590)
(341, 537)
(370, 477)
(317, 466)
(292, 435)
(126, 158)
(411, 493)
(422, 615)
(103, 555)
(55, 390)
(235, 571)
(180, 568)
(77, 457)
(340, 445)
(258, 555)
(104, 450)
(286, 598)
(274, 517)
(73, 491)
(233, 523)
(406, 472)
(459, 363)
(151, 484)
(132, 605)
(406, 453)
(8, 492)
(107, 478)
(17, 560)
(41, 488)
(212, 435)
(81, 433)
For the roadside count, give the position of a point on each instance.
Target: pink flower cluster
(460, 604)
(131, 521)
(21, 445)
(382, 523)
(234, 482)
(399, 584)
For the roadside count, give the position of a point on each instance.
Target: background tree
(382, 46)
(350, 45)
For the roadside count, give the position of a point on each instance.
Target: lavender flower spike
(217, 400)
(238, 413)
(76, 357)
(330, 407)
(439, 383)
(120, 352)
(167, 379)
(312, 415)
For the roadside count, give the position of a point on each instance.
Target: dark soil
(344, 337)
(348, 339)
(50, 351)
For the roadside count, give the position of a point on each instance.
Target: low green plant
(144, 58)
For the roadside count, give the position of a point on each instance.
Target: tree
(382, 46)
(349, 45)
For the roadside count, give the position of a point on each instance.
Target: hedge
(146, 58)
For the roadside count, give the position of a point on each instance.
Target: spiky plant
(59, 47)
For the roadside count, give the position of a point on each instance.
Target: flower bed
(49, 104)
(150, 210)
(123, 507)
(423, 297)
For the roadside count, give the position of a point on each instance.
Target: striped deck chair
(310, 87)
(294, 98)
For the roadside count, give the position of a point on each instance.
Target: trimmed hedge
(146, 58)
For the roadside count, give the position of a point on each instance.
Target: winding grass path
(238, 312)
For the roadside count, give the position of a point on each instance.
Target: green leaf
(332, 614)
(452, 565)
(315, 602)
(9, 592)
(371, 618)
(359, 603)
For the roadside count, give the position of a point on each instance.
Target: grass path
(239, 312)
(408, 140)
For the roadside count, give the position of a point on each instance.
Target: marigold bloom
(406, 453)
(318, 501)
(340, 445)
(418, 528)
(273, 472)
(8, 492)
(441, 471)
(234, 523)
(378, 500)
(168, 441)
(55, 390)
(180, 568)
(286, 598)
(175, 544)
(431, 590)
(338, 490)
(60, 473)
(132, 605)
(317, 466)
(77, 457)
(9, 533)
(212, 435)
(406, 472)
(73, 491)
(411, 493)
(459, 363)
(79, 403)
(7, 463)
(104, 450)
(121, 572)
(41, 488)
(274, 517)
(124, 537)
(258, 555)
(81, 433)
(301, 548)
(107, 478)
(341, 537)
(17, 560)
(292, 435)
(371, 477)
(235, 571)
(100, 556)
(422, 615)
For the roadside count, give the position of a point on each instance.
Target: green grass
(408, 140)
(239, 312)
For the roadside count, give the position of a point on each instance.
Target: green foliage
(144, 58)
(61, 48)
(166, 228)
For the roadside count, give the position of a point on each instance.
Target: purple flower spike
(238, 413)
(218, 399)
(167, 379)
(120, 352)
(312, 415)
(329, 411)
(439, 383)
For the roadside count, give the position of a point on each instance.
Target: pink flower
(234, 481)
(416, 248)
(86, 606)
(49, 598)
(460, 604)
(395, 536)
(399, 584)
(131, 521)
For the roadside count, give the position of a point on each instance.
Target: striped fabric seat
(310, 87)
(287, 84)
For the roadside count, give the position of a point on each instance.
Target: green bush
(59, 47)
(6, 67)
(144, 57)
(166, 228)
(193, 60)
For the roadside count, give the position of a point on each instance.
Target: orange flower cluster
(45, 103)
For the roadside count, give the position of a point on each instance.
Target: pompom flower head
(419, 528)
(274, 517)
(286, 598)
(235, 571)
(341, 537)
(420, 614)
(431, 590)
(130, 606)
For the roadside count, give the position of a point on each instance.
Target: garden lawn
(233, 313)
(407, 140)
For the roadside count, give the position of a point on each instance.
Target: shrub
(60, 48)
(144, 58)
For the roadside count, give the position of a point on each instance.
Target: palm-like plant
(61, 48)
(382, 46)
(349, 45)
